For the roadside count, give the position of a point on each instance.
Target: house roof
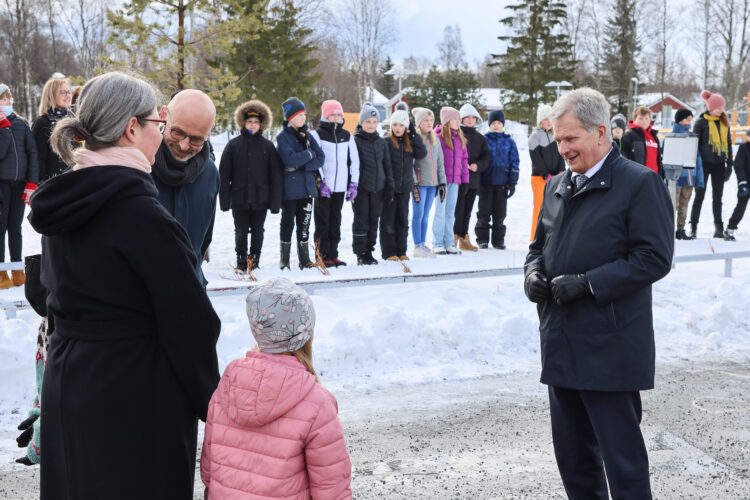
(649, 99)
(378, 99)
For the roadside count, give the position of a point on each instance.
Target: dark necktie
(580, 181)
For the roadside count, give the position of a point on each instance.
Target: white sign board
(680, 151)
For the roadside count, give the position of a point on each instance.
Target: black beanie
(681, 114)
(497, 115)
(292, 107)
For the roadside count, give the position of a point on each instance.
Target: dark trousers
(597, 430)
(464, 206)
(328, 225)
(299, 211)
(367, 207)
(493, 204)
(738, 213)
(716, 172)
(394, 225)
(247, 220)
(12, 207)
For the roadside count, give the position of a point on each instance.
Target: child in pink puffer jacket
(272, 430)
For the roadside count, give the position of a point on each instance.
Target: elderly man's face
(580, 148)
(188, 127)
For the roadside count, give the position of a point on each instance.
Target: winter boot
(18, 277)
(465, 244)
(254, 261)
(680, 234)
(693, 231)
(338, 262)
(482, 245)
(5, 281)
(728, 236)
(393, 258)
(286, 248)
(303, 255)
(241, 262)
(718, 229)
(366, 259)
(499, 244)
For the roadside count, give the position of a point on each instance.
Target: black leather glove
(441, 192)
(415, 194)
(388, 196)
(510, 190)
(569, 287)
(463, 189)
(536, 288)
(412, 131)
(27, 426)
(727, 173)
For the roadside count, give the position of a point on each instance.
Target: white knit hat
(400, 116)
(420, 114)
(542, 112)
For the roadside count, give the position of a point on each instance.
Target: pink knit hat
(331, 107)
(447, 114)
(713, 101)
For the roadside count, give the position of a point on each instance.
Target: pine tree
(387, 83)
(621, 49)
(446, 88)
(538, 53)
(279, 63)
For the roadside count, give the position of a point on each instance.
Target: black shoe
(255, 261)
(500, 245)
(338, 262)
(729, 236)
(482, 245)
(241, 262)
(693, 231)
(366, 259)
(303, 255)
(718, 229)
(680, 234)
(285, 250)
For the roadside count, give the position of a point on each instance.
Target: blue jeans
(421, 214)
(445, 215)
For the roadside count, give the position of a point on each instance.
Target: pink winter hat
(713, 101)
(447, 114)
(331, 107)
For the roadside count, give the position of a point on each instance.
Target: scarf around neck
(173, 172)
(116, 155)
(717, 135)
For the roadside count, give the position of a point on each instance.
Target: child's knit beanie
(368, 111)
(281, 316)
(713, 101)
(447, 114)
(497, 116)
(420, 114)
(292, 107)
(331, 107)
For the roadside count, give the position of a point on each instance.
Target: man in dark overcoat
(604, 235)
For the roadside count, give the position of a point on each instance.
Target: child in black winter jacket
(375, 184)
(742, 169)
(251, 180)
(404, 146)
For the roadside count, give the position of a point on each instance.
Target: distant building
(663, 107)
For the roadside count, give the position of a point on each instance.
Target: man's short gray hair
(586, 104)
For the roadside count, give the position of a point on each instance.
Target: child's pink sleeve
(207, 443)
(328, 465)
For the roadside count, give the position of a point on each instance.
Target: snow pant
(367, 207)
(716, 172)
(421, 214)
(683, 198)
(537, 189)
(464, 206)
(493, 203)
(299, 211)
(739, 211)
(591, 427)
(328, 225)
(442, 222)
(247, 220)
(394, 226)
(12, 207)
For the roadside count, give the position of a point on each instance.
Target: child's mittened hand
(325, 191)
(441, 192)
(351, 192)
(510, 189)
(415, 194)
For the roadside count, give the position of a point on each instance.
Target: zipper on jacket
(336, 153)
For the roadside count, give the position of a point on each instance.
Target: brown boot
(5, 281)
(465, 244)
(18, 277)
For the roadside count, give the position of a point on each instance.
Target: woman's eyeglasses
(64, 92)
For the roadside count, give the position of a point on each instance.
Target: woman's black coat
(50, 164)
(704, 147)
(132, 362)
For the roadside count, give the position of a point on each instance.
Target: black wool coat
(619, 231)
(132, 362)
(375, 172)
(251, 174)
(479, 153)
(50, 164)
(402, 162)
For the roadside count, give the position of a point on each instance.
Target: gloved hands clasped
(569, 287)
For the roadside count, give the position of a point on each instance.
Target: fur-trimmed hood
(254, 105)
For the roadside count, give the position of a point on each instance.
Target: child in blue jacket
(498, 183)
(301, 157)
(689, 178)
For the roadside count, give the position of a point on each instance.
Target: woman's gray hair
(586, 104)
(106, 104)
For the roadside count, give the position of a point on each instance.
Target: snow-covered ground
(370, 337)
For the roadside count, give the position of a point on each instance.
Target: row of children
(715, 161)
(447, 165)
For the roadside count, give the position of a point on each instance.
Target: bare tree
(85, 26)
(451, 48)
(731, 24)
(365, 33)
(20, 25)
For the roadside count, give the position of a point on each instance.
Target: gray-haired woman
(132, 360)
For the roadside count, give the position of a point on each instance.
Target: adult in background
(19, 176)
(715, 148)
(479, 161)
(604, 236)
(53, 107)
(132, 361)
(546, 162)
(184, 172)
